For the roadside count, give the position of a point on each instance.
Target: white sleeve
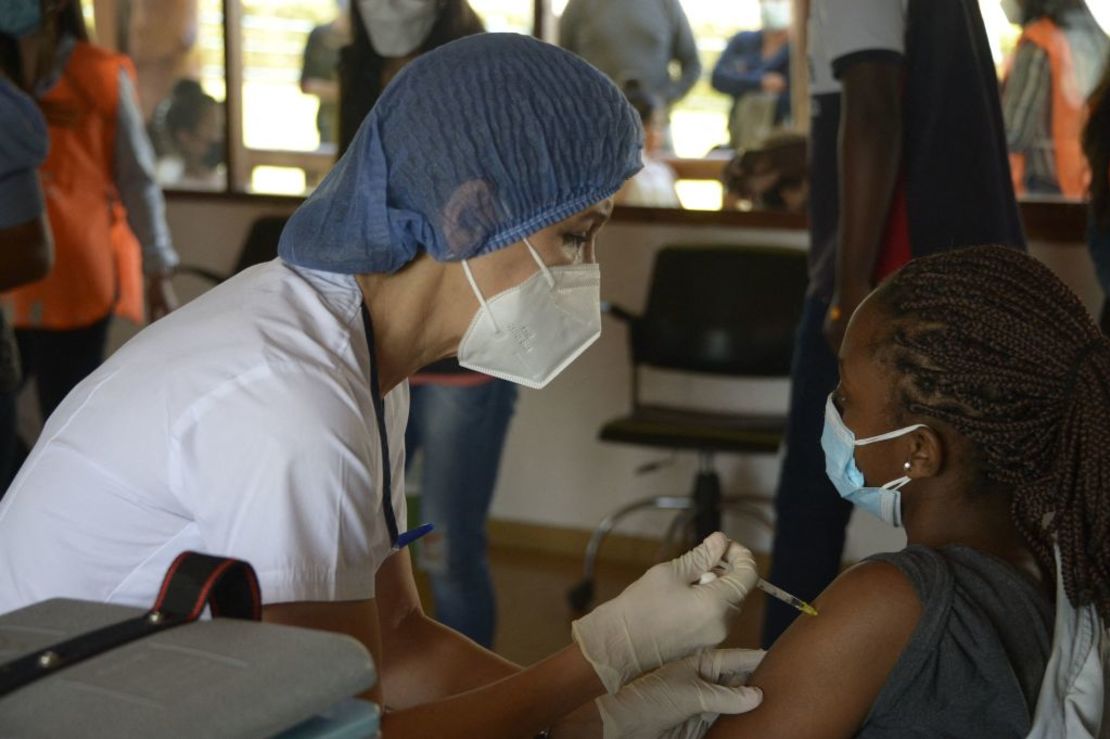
(279, 467)
(861, 30)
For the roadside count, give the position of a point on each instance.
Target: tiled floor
(534, 618)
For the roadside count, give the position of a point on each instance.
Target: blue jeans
(810, 516)
(461, 431)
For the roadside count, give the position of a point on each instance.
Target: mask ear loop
(478, 294)
(543, 267)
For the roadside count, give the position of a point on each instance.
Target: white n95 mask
(840, 444)
(530, 333)
(398, 27)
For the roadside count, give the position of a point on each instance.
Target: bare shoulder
(822, 676)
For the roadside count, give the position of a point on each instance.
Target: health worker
(265, 420)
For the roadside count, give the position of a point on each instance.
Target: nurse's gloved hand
(683, 699)
(665, 615)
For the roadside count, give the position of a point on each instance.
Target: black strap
(227, 586)
(379, 412)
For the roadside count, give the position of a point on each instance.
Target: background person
(654, 185)
(99, 174)
(974, 410)
(28, 247)
(1055, 67)
(193, 125)
(320, 70)
(1096, 148)
(896, 172)
(458, 419)
(756, 64)
(635, 40)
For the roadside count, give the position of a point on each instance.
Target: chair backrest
(261, 244)
(725, 310)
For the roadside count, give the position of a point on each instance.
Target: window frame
(1051, 220)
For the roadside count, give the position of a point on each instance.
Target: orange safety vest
(1068, 112)
(97, 260)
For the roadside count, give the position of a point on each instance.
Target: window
(288, 59)
(513, 16)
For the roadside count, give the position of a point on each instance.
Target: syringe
(772, 590)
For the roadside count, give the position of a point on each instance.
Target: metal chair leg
(679, 523)
(581, 595)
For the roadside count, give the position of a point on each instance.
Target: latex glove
(683, 699)
(664, 615)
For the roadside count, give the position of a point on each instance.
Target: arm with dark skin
(821, 678)
(870, 157)
(437, 682)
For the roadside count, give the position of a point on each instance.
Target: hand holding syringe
(766, 587)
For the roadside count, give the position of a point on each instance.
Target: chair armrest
(621, 314)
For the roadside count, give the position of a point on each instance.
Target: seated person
(193, 124)
(773, 176)
(978, 385)
(652, 186)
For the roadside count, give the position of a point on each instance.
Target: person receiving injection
(974, 411)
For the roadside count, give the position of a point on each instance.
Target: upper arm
(278, 467)
(872, 94)
(685, 46)
(1025, 95)
(820, 678)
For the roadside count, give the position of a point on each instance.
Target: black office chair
(261, 245)
(718, 310)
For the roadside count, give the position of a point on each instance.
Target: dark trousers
(58, 360)
(810, 517)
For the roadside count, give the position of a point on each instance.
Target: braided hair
(990, 342)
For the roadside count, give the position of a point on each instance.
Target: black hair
(990, 342)
(188, 102)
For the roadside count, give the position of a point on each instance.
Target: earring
(907, 466)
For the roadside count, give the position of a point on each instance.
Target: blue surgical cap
(472, 147)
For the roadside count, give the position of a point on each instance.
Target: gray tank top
(973, 667)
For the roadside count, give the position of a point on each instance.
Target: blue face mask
(20, 17)
(840, 444)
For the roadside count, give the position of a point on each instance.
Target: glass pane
(514, 16)
(177, 47)
(290, 53)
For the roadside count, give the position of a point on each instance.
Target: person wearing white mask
(387, 35)
(458, 418)
(974, 411)
(264, 420)
(757, 63)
